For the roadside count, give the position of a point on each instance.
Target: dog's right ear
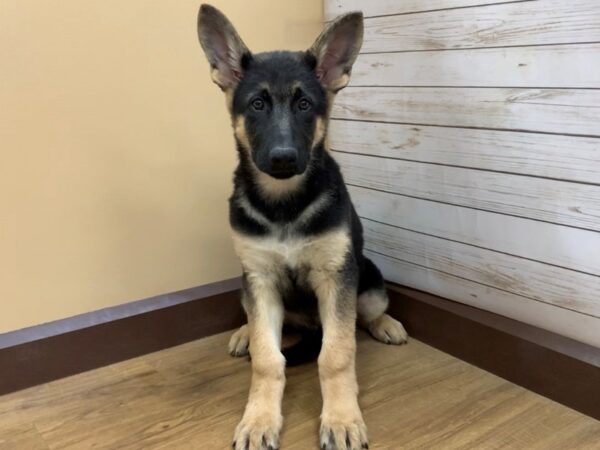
(226, 52)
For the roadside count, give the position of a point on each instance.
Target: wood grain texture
(574, 325)
(508, 234)
(535, 198)
(563, 111)
(23, 437)
(371, 8)
(525, 23)
(192, 396)
(567, 158)
(543, 66)
(554, 366)
(554, 285)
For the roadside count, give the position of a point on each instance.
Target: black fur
(279, 102)
(283, 82)
(322, 175)
(295, 228)
(305, 350)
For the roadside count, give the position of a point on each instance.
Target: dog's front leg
(342, 425)
(260, 426)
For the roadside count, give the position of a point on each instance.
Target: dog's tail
(305, 350)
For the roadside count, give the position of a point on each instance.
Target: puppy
(295, 230)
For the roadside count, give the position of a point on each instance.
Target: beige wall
(116, 152)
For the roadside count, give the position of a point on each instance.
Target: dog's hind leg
(239, 341)
(372, 304)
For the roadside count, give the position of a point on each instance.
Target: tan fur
(225, 86)
(263, 260)
(273, 188)
(388, 330)
(215, 75)
(321, 202)
(229, 99)
(253, 213)
(319, 133)
(330, 99)
(325, 256)
(270, 187)
(371, 305)
(340, 82)
(319, 260)
(341, 418)
(238, 343)
(239, 128)
(269, 255)
(262, 416)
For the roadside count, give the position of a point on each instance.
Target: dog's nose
(283, 158)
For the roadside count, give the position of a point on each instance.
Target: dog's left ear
(224, 49)
(336, 50)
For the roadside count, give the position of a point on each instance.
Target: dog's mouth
(282, 174)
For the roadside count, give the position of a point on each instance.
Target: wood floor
(191, 397)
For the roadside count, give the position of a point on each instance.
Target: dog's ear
(226, 52)
(336, 49)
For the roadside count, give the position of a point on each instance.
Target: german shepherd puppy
(295, 230)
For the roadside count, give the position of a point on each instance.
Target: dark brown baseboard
(66, 347)
(556, 367)
(559, 368)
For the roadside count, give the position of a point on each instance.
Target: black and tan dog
(294, 227)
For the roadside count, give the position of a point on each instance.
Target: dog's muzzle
(283, 162)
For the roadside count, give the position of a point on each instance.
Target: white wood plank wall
(470, 140)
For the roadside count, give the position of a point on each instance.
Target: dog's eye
(304, 104)
(258, 104)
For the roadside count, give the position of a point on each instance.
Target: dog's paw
(343, 435)
(238, 343)
(388, 330)
(258, 432)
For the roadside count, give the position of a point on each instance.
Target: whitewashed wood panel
(568, 247)
(549, 284)
(536, 198)
(562, 111)
(470, 140)
(541, 66)
(561, 157)
(526, 23)
(370, 8)
(568, 323)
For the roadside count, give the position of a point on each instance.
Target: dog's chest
(274, 254)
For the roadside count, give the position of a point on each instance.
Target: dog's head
(279, 101)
